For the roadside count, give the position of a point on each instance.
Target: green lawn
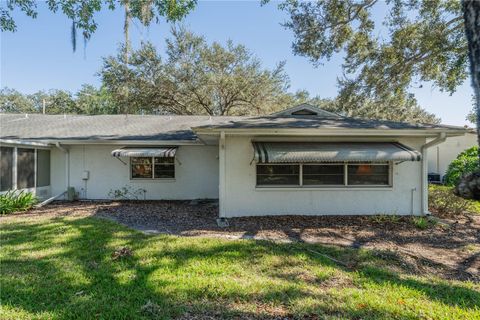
(62, 268)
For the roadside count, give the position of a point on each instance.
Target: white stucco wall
(242, 198)
(196, 176)
(440, 156)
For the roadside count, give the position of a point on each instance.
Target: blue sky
(39, 55)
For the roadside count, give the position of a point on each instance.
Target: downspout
(222, 175)
(67, 164)
(424, 192)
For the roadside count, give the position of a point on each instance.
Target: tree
(425, 41)
(90, 100)
(15, 102)
(194, 78)
(82, 13)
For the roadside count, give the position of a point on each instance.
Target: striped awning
(308, 152)
(162, 152)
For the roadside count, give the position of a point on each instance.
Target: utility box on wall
(85, 175)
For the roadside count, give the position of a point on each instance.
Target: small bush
(441, 199)
(13, 201)
(422, 223)
(466, 162)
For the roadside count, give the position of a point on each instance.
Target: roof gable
(305, 109)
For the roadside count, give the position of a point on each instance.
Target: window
(278, 174)
(43, 168)
(6, 168)
(25, 168)
(164, 168)
(152, 168)
(368, 174)
(324, 175)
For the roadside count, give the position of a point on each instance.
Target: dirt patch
(450, 249)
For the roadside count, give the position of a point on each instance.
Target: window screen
(368, 174)
(6, 168)
(164, 168)
(43, 168)
(25, 168)
(323, 174)
(285, 174)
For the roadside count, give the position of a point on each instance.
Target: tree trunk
(469, 186)
(126, 30)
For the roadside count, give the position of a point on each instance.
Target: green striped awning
(162, 152)
(310, 152)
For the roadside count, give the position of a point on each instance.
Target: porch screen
(25, 168)
(43, 168)
(6, 168)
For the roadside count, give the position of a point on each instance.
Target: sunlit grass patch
(63, 268)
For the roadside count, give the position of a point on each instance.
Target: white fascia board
(336, 132)
(121, 142)
(12, 142)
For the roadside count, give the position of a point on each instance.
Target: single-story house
(301, 161)
(440, 156)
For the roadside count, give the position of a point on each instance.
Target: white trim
(7, 142)
(339, 188)
(48, 142)
(393, 133)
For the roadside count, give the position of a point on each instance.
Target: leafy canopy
(195, 77)
(421, 41)
(82, 12)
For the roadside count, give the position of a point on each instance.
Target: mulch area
(450, 249)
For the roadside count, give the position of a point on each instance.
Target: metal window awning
(311, 152)
(162, 152)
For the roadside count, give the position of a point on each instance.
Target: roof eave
(450, 132)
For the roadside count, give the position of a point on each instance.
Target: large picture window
(152, 167)
(324, 175)
(25, 168)
(6, 168)
(278, 174)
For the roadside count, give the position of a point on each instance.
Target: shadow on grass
(73, 274)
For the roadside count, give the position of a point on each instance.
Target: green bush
(13, 201)
(441, 199)
(421, 223)
(466, 162)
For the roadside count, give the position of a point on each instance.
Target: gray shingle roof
(169, 128)
(317, 122)
(103, 127)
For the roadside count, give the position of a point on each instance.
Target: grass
(62, 268)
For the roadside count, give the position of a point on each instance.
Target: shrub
(466, 162)
(13, 201)
(441, 199)
(422, 223)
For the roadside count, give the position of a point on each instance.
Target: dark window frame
(345, 183)
(153, 164)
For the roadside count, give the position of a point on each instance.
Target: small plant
(422, 223)
(385, 218)
(442, 200)
(13, 201)
(128, 193)
(466, 162)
